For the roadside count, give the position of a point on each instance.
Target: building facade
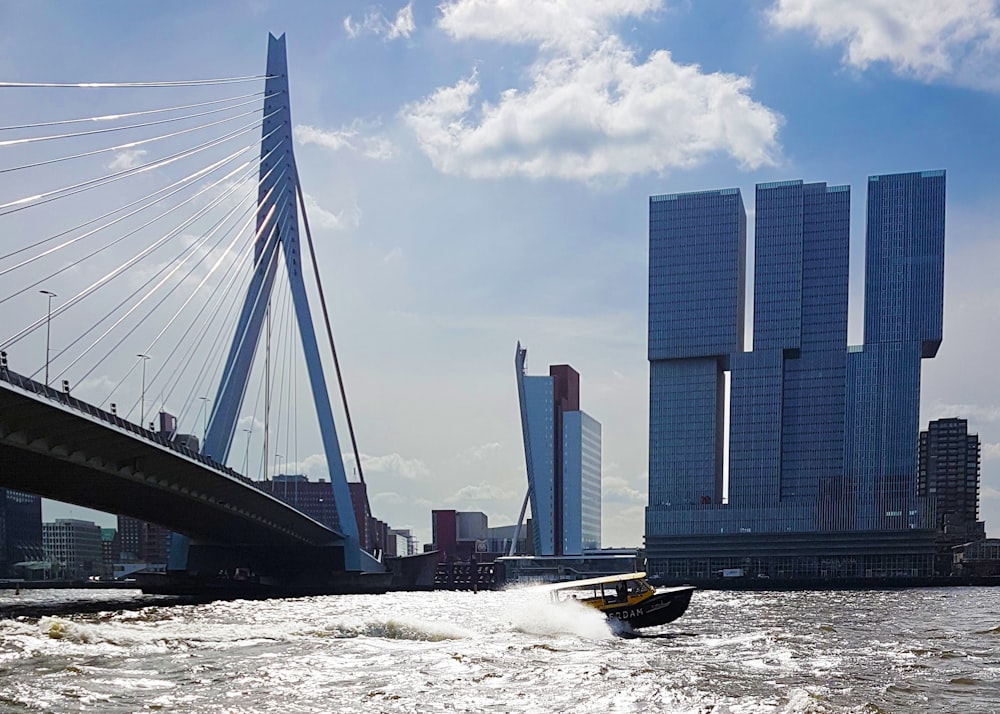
(143, 542)
(948, 476)
(821, 478)
(20, 533)
(562, 448)
(74, 548)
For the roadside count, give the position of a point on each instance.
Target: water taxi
(626, 597)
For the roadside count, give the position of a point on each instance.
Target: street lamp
(142, 393)
(277, 456)
(204, 423)
(246, 456)
(48, 332)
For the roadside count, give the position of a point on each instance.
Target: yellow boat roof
(589, 582)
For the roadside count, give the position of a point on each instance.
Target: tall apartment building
(73, 547)
(948, 476)
(822, 436)
(562, 447)
(20, 531)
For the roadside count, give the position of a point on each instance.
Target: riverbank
(68, 585)
(822, 584)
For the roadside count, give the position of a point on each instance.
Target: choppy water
(935, 650)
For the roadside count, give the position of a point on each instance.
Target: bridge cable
(167, 390)
(174, 267)
(260, 383)
(240, 337)
(329, 330)
(195, 344)
(141, 125)
(220, 300)
(39, 199)
(127, 115)
(285, 388)
(176, 187)
(120, 269)
(286, 334)
(128, 145)
(280, 312)
(234, 257)
(116, 85)
(65, 306)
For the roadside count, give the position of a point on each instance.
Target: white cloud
(389, 498)
(928, 40)
(313, 466)
(478, 453)
(618, 490)
(375, 23)
(592, 108)
(393, 256)
(975, 413)
(575, 26)
(126, 159)
(354, 138)
(991, 452)
(394, 464)
(477, 493)
(345, 219)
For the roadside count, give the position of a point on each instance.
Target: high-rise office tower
(562, 448)
(822, 437)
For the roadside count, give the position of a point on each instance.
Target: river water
(933, 650)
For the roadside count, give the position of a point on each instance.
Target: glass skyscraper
(822, 436)
(562, 448)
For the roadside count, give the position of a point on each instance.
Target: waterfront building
(314, 498)
(822, 436)
(20, 533)
(143, 542)
(501, 538)
(73, 547)
(948, 477)
(404, 542)
(110, 552)
(460, 535)
(980, 558)
(562, 448)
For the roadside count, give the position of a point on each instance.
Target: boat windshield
(606, 593)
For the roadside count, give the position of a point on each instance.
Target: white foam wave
(537, 615)
(401, 629)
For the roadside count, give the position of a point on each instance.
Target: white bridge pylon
(279, 200)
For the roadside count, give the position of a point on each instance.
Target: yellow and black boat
(626, 597)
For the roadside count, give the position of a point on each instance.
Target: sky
(477, 174)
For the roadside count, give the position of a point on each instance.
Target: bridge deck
(56, 446)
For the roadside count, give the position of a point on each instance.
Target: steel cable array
(144, 244)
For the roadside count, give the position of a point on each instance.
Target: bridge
(56, 443)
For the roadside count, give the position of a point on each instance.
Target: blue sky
(478, 174)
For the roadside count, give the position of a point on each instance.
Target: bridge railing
(29, 385)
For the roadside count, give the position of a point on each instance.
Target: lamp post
(274, 473)
(48, 332)
(204, 422)
(142, 393)
(246, 456)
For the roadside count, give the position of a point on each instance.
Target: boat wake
(537, 615)
(398, 629)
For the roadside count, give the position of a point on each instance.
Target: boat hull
(665, 605)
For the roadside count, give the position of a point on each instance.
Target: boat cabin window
(622, 591)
